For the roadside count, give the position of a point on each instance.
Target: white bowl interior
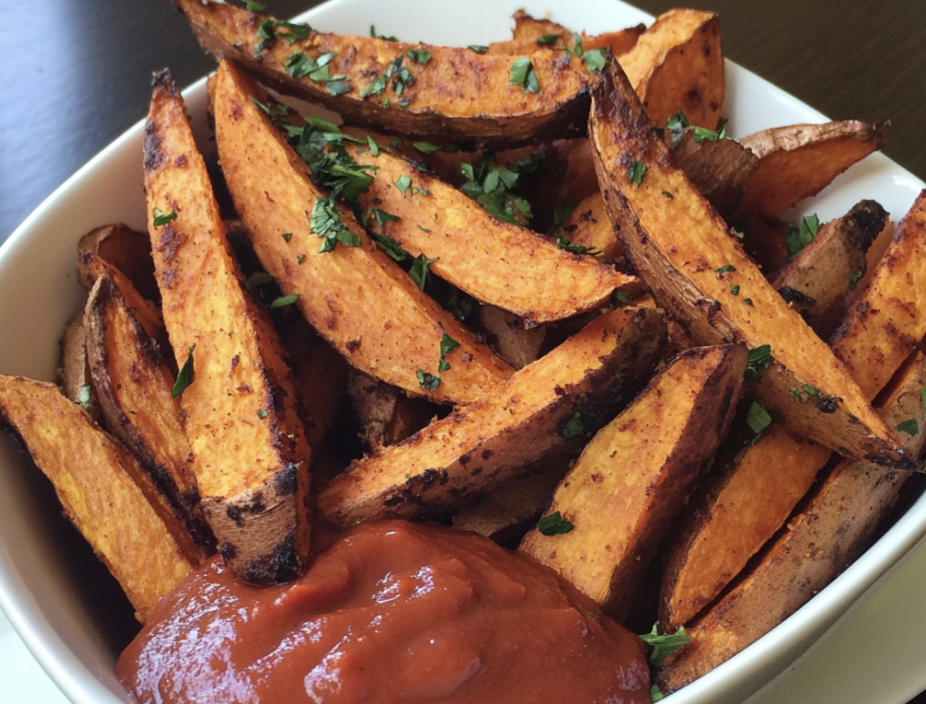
(63, 602)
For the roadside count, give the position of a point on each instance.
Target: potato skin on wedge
(543, 412)
(456, 94)
(498, 263)
(250, 454)
(634, 476)
(103, 490)
(698, 271)
(370, 310)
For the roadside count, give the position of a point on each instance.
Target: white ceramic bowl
(64, 604)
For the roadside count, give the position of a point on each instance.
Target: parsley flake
(326, 223)
(594, 59)
(185, 376)
(573, 426)
(422, 56)
(287, 236)
(799, 237)
(795, 392)
(568, 246)
(621, 298)
(426, 147)
(284, 301)
(554, 524)
(702, 134)
(447, 345)
(854, 279)
(923, 397)
(402, 183)
(735, 289)
(748, 302)
(548, 39)
(911, 427)
(390, 247)
(478, 48)
(83, 397)
(374, 35)
(811, 391)
(664, 645)
(636, 173)
(419, 270)
(724, 269)
(560, 215)
(522, 74)
(759, 358)
(676, 125)
(668, 195)
(758, 419)
(262, 413)
(300, 258)
(655, 693)
(428, 382)
(162, 218)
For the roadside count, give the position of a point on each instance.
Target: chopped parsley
(300, 258)
(423, 229)
(854, 279)
(374, 35)
(560, 215)
(796, 393)
(422, 56)
(799, 237)
(664, 645)
(374, 147)
(548, 39)
(428, 382)
(573, 426)
(655, 693)
(83, 397)
(262, 413)
(748, 302)
(493, 186)
(185, 376)
(377, 86)
(923, 397)
(812, 391)
(668, 195)
(402, 183)
(419, 270)
(758, 419)
(162, 218)
(554, 524)
(478, 48)
(258, 279)
(759, 358)
(522, 74)
(636, 173)
(676, 125)
(594, 59)
(284, 301)
(459, 304)
(390, 247)
(326, 223)
(401, 78)
(702, 134)
(724, 269)
(735, 289)
(426, 147)
(447, 345)
(267, 31)
(621, 298)
(568, 246)
(911, 427)
(287, 236)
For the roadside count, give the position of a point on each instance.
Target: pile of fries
(667, 385)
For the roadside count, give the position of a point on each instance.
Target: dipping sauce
(392, 612)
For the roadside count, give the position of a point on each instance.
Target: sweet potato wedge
(124, 249)
(816, 281)
(820, 541)
(764, 239)
(885, 322)
(74, 369)
(103, 491)
(496, 262)
(634, 476)
(455, 94)
(699, 273)
(529, 29)
(588, 225)
(356, 297)
(677, 64)
(543, 412)
(134, 387)
(387, 416)
(799, 161)
(516, 343)
(250, 455)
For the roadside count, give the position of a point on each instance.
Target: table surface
(75, 75)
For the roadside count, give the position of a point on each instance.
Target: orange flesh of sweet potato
(820, 541)
(133, 384)
(798, 161)
(677, 64)
(633, 477)
(514, 426)
(100, 486)
(886, 322)
(683, 252)
(124, 249)
(457, 94)
(589, 225)
(250, 453)
(496, 262)
(356, 297)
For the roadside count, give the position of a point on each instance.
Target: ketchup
(391, 612)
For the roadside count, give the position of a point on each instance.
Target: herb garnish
(428, 382)
(702, 134)
(287, 236)
(185, 376)
(284, 301)
(594, 59)
(911, 427)
(162, 218)
(422, 56)
(374, 35)
(664, 645)
(758, 419)
(812, 391)
(447, 345)
(676, 125)
(548, 39)
(493, 186)
(419, 270)
(573, 426)
(567, 246)
(560, 216)
(854, 279)
(402, 183)
(478, 48)
(724, 269)
(554, 524)
(799, 237)
(262, 413)
(735, 289)
(636, 173)
(759, 358)
(83, 397)
(522, 74)
(326, 223)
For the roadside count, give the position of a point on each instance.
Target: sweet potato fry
(699, 273)
(133, 384)
(634, 476)
(529, 29)
(124, 249)
(588, 225)
(516, 343)
(103, 490)
(387, 416)
(356, 297)
(542, 412)
(820, 541)
(250, 455)
(885, 322)
(74, 369)
(799, 161)
(456, 93)
(816, 281)
(677, 64)
(496, 262)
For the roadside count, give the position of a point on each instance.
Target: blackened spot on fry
(286, 481)
(487, 454)
(464, 459)
(227, 551)
(154, 157)
(827, 404)
(353, 345)
(234, 513)
(180, 161)
(168, 243)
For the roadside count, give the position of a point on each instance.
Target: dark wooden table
(75, 75)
